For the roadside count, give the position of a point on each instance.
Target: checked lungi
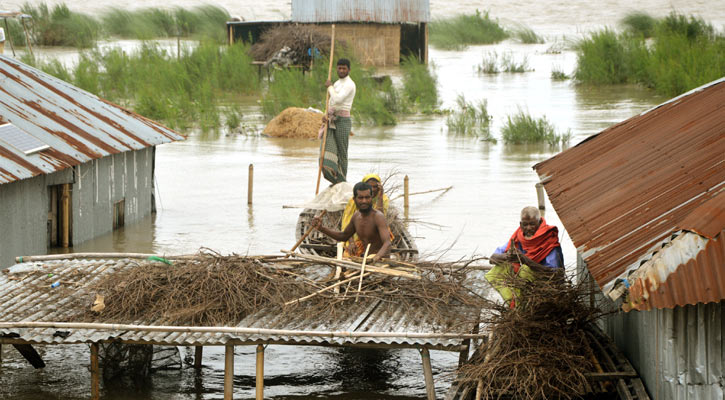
(334, 162)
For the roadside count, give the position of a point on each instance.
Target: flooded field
(202, 193)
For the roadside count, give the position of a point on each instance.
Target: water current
(202, 197)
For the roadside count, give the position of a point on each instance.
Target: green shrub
(420, 85)
(527, 35)
(523, 128)
(470, 119)
(639, 23)
(61, 26)
(148, 23)
(463, 30)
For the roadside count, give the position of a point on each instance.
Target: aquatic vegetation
(639, 23)
(527, 35)
(522, 128)
(558, 75)
(206, 21)
(489, 64)
(508, 63)
(60, 26)
(457, 32)
(470, 119)
(420, 85)
(684, 53)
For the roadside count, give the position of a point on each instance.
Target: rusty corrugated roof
(624, 193)
(381, 11)
(27, 296)
(77, 125)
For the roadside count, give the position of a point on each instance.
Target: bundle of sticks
(211, 289)
(539, 349)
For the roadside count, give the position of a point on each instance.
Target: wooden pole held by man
(327, 104)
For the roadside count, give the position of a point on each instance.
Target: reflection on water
(202, 201)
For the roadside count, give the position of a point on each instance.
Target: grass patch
(558, 75)
(522, 128)
(202, 22)
(470, 120)
(684, 53)
(60, 26)
(420, 85)
(639, 23)
(181, 92)
(457, 32)
(527, 35)
(507, 63)
(489, 64)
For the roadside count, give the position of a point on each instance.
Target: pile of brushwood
(208, 289)
(291, 45)
(539, 349)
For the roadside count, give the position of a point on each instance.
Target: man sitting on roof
(380, 202)
(532, 249)
(368, 223)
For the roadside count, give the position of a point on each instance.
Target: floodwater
(202, 196)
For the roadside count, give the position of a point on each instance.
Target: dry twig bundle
(298, 38)
(539, 349)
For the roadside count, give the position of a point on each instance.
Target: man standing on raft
(342, 93)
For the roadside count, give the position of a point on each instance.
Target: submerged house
(380, 32)
(644, 203)
(72, 165)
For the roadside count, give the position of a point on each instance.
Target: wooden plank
(607, 376)
(95, 373)
(260, 372)
(228, 372)
(198, 354)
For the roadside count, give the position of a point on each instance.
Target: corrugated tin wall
(679, 353)
(386, 11)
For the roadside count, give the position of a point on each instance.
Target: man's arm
(335, 234)
(384, 233)
(343, 93)
(500, 255)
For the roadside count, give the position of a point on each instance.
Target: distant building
(644, 202)
(72, 166)
(380, 32)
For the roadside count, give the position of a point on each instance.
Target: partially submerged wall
(372, 44)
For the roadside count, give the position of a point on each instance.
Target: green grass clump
(205, 21)
(639, 23)
(420, 85)
(684, 53)
(60, 26)
(508, 63)
(558, 75)
(460, 31)
(527, 35)
(470, 120)
(523, 128)
(489, 64)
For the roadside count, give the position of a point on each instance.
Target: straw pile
(294, 122)
(539, 349)
(298, 38)
(213, 290)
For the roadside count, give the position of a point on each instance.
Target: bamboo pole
(27, 37)
(479, 389)
(198, 355)
(327, 104)
(333, 286)
(406, 194)
(350, 264)
(12, 47)
(338, 269)
(228, 372)
(541, 198)
(428, 374)
(362, 272)
(95, 374)
(232, 330)
(250, 184)
(72, 256)
(260, 372)
(299, 242)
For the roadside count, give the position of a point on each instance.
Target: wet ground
(202, 193)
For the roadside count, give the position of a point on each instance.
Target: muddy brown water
(202, 200)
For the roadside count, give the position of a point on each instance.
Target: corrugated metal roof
(384, 11)
(27, 296)
(77, 125)
(623, 193)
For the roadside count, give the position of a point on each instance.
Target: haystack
(294, 122)
(297, 38)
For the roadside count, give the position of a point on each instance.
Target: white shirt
(2, 35)
(342, 93)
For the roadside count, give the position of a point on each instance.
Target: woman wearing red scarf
(535, 245)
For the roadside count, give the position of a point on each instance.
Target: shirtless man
(367, 222)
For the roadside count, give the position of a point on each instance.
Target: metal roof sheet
(27, 296)
(384, 11)
(77, 125)
(624, 192)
